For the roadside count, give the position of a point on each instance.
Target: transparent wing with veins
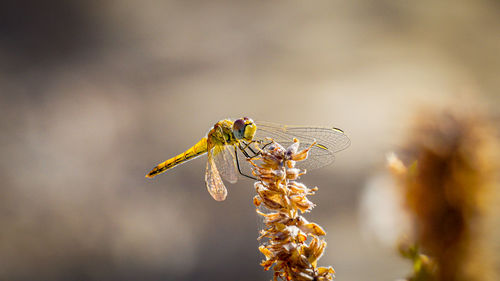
(213, 179)
(225, 160)
(329, 141)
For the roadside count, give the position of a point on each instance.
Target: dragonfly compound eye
(239, 128)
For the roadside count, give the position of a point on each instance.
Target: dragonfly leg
(254, 153)
(238, 163)
(247, 146)
(267, 144)
(242, 149)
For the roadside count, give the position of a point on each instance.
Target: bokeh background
(93, 94)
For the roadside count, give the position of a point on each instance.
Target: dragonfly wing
(329, 141)
(225, 160)
(215, 186)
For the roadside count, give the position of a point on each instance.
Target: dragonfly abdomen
(193, 152)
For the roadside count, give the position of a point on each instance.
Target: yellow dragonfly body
(227, 137)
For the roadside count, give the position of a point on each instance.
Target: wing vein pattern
(329, 141)
(225, 160)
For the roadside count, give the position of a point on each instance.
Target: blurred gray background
(93, 94)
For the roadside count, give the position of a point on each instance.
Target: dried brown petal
(312, 228)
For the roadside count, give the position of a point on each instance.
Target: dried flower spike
(286, 231)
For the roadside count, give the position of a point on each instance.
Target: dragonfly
(227, 139)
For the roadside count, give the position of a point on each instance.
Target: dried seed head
(285, 230)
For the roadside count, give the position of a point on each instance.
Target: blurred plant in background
(449, 189)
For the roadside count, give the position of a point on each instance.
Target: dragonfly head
(244, 128)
